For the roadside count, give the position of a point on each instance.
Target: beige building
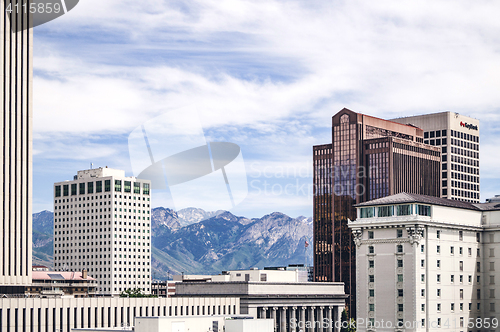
(458, 137)
(64, 314)
(16, 68)
(427, 264)
(102, 224)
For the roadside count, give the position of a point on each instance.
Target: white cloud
(267, 75)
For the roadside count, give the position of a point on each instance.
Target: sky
(266, 75)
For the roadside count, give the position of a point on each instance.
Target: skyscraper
(16, 140)
(458, 137)
(102, 224)
(368, 159)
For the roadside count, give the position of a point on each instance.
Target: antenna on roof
(91, 165)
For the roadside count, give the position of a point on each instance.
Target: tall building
(458, 137)
(369, 158)
(427, 263)
(102, 224)
(16, 158)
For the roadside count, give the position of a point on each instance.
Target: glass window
(371, 264)
(137, 187)
(399, 233)
(90, 187)
(400, 278)
(58, 191)
(145, 188)
(73, 189)
(438, 264)
(371, 249)
(400, 263)
(372, 307)
(118, 185)
(399, 248)
(404, 210)
(82, 188)
(107, 185)
(65, 190)
(371, 278)
(370, 234)
(367, 212)
(438, 249)
(400, 292)
(128, 186)
(424, 210)
(98, 186)
(385, 211)
(372, 293)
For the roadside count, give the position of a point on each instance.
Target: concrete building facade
(16, 67)
(293, 305)
(427, 264)
(65, 314)
(102, 224)
(458, 138)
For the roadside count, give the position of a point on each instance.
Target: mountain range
(194, 241)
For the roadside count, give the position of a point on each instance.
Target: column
(338, 317)
(293, 317)
(273, 316)
(283, 319)
(320, 319)
(263, 312)
(312, 321)
(329, 317)
(302, 319)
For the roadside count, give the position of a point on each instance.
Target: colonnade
(303, 318)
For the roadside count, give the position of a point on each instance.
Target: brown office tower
(368, 159)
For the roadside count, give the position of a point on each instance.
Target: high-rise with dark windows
(458, 138)
(369, 158)
(16, 65)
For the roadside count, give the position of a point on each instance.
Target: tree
(347, 324)
(134, 292)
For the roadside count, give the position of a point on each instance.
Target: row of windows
(401, 210)
(465, 145)
(467, 137)
(437, 133)
(97, 187)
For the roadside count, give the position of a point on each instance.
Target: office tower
(369, 158)
(428, 263)
(458, 137)
(16, 141)
(102, 224)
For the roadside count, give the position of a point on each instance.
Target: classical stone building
(427, 264)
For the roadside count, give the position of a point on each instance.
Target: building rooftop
(402, 198)
(57, 275)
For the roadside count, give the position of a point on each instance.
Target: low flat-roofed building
(291, 304)
(57, 283)
(238, 323)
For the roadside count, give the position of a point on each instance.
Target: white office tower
(16, 49)
(102, 224)
(458, 137)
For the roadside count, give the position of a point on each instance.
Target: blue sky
(267, 75)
